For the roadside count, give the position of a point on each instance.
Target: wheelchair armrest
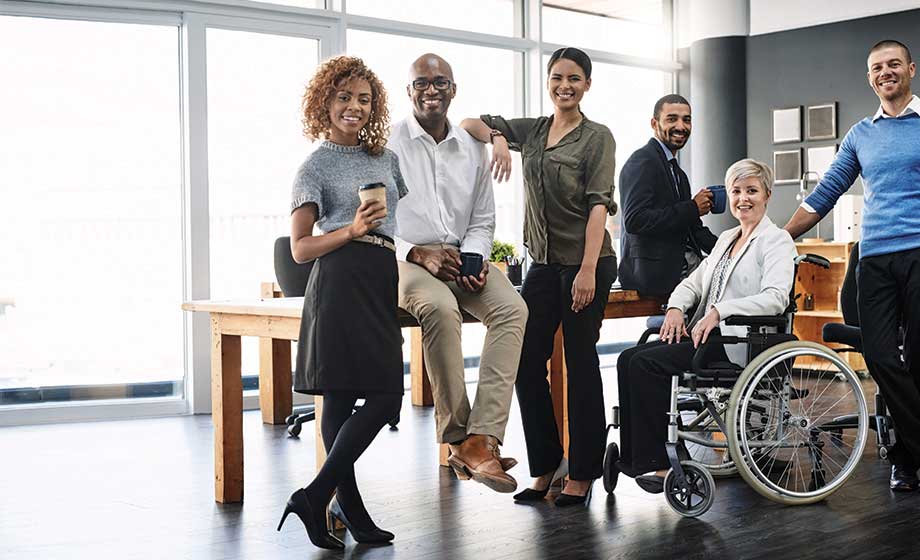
(816, 260)
(645, 335)
(843, 334)
(757, 321)
(697, 365)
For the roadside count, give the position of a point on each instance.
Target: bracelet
(493, 133)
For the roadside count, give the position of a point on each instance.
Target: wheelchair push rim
(800, 452)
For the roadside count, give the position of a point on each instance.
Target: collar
(667, 152)
(573, 136)
(416, 131)
(762, 226)
(912, 107)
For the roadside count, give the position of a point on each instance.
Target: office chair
(849, 334)
(292, 278)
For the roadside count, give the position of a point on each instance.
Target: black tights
(346, 435)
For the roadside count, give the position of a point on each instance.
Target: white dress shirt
(912, 107)
(450, 198)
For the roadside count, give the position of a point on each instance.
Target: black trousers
(548, 293)
(889, 298)
(644, 380)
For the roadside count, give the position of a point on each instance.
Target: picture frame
(787, 166)
(787, 124)
(819, 158)
(821, 121)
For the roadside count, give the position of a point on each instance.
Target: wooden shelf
(823, 284)
(823, 313)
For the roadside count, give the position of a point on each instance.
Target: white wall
(704, 19)
(768, 16)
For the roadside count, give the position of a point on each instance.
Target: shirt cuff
(402, 249)
(477, 246)
(807, 207)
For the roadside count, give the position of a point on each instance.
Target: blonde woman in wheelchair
(737, 294)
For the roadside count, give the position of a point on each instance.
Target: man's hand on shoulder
(440, 263)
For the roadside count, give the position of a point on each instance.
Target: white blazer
(758, 281)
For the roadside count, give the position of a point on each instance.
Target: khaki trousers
(436, 306)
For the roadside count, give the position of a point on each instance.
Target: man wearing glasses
(450, 209)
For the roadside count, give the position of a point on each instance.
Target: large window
(635, 28)
(90, 211)
(143, 163)
(255, 144)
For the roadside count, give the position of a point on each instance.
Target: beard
(673, 144)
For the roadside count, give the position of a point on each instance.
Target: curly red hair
(318, 96)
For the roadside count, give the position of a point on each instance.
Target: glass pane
(495, 17)
(478, 92)
(629, 27)
(255, 144)
(90, 211)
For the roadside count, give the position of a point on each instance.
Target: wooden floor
(143, 489)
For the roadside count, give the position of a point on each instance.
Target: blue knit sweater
(887, 154)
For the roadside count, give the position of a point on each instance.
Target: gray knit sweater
(330, 178)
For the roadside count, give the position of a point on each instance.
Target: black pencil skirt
(349, 336)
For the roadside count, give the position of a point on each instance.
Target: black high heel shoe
(565, 500)
(319, 535)
(375, 535)
(531, 495)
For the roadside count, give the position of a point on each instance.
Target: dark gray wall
(810, 66)
(717, 83)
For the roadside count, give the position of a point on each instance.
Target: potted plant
(505, 257)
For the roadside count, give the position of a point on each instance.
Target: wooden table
(276, 322)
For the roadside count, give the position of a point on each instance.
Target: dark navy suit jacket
(658, 224)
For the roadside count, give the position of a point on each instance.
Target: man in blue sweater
(885, 150)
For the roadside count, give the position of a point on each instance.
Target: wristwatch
(493, 133)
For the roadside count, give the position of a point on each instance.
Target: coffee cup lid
(370, 186)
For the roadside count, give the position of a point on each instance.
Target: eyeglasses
(440, 84)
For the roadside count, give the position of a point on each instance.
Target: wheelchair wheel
(701, 494)
(611, 472)
(804, 428)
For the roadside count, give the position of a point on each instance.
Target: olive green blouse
(562, 184)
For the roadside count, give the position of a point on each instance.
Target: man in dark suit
(664, 238)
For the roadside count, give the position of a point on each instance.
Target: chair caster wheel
(611, 472)
(701, 494)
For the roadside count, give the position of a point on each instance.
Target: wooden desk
(277, 322)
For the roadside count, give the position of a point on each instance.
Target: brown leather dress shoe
(476, 458)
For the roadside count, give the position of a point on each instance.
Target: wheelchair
(793, 423)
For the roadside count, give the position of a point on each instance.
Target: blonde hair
(748, 167)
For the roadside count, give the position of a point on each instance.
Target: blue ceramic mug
(718, 198)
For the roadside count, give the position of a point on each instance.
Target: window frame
(329, 25)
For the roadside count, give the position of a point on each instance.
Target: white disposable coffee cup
(373, 191)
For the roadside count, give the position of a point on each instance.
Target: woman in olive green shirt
(568, 164)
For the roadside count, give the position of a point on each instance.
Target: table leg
(418, 375)
(318, 430)
(559, 391)
(275, 397)
(227, 414)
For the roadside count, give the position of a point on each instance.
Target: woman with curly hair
(350, 345)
